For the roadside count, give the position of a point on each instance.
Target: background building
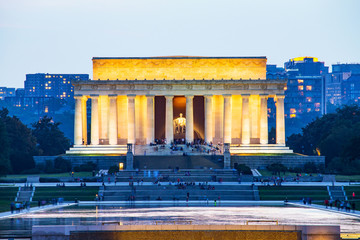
(305, 88)
(6, 92)
(52, 85)
(342, 86)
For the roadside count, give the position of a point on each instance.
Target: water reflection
(92, 215)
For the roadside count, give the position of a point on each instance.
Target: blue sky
(61, 36)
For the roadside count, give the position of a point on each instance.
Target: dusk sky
(61, 36)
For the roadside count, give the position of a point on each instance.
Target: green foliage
(22, 145)
(242, 168)
(49, 137)
(5, 150)
(272, 136)
(310, 167)
(62, 164)
(335, 136)
(113, 169)
(87, 167)
(277, 168)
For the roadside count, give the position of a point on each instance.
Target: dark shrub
(243, 169)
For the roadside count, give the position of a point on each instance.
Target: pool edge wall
(246, 232)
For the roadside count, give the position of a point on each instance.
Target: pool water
(93, 215)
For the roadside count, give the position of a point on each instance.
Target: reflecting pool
(93, 215)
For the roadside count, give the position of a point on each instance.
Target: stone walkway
(74, 184)
(322, 207)
(33, 209)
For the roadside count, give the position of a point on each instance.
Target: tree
(334, 136)
(5, 166)
(51, 140)
(22, 144)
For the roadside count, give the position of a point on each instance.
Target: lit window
(317, 105)
(308, 99)
(292, 110)
(308, 109)
(293, 115)
(300, 81)
(308, 88)
(285, 88)
(300, 88)
(317, 109)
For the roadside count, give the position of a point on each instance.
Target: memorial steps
(196, 175)
(260, 149)
(172, 192)
(97, 150)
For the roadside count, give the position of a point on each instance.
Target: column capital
(208, 95)
(150, 96)
(78, 97)
(279, 96)
(169, 97)
(92, 96)
(264, 96)
(245, 95)
(131, 96)
(227, 95)
(189, 96)
(112, 96)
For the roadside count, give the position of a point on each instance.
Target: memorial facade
(216, 99)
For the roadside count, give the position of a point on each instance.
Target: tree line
(19, 143)
(335, 136)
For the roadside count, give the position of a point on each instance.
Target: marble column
(78, 121)
(150, 128)
(189, 130)
(112, 120)
(263, 119)
(84, 119)
(280, 120)
(208, 118)
(169, 117)
(94, 120)
(227, 118)
(245, 128)
(131, 118)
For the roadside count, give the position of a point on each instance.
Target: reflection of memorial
(233, 93)
(179, 125)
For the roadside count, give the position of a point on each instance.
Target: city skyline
(63, 36)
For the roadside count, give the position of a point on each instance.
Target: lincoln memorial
(215, 100)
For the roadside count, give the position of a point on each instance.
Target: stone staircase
(172, 192)
(25, 194)
(337, 193)
(182, 162)
(184, 175)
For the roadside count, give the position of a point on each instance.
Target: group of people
(340, 205)
(19, 206)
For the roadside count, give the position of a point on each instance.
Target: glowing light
(299, 59)
(300, 88)
(308, 88)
